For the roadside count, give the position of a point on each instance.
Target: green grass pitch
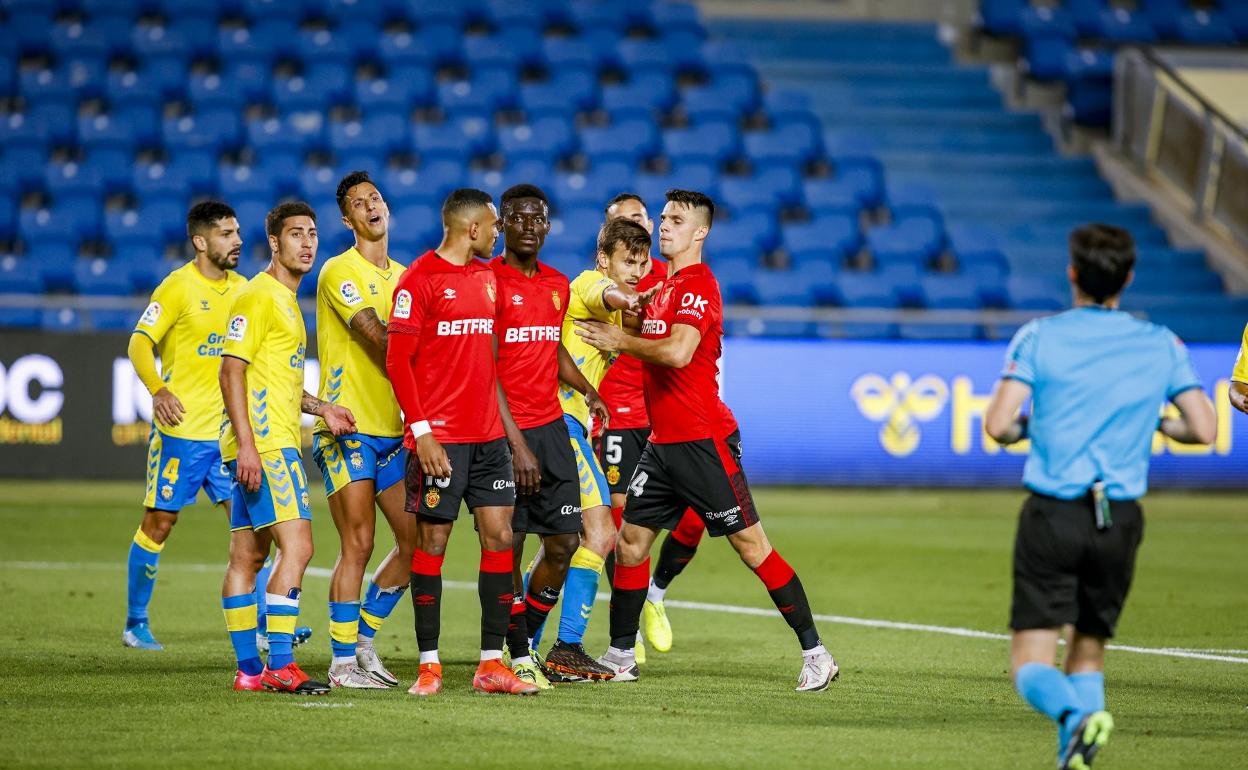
(723, 697)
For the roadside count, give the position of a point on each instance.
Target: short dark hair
(694, 200)
(464, 199)
(1102, 256)
(205, 214)
(518, 191)
(624, 196)
(283, 211)
(625, 232)
(349, 181)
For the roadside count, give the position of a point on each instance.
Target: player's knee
(357, 545)
(559, 548)
(752, 552)
(158, 524)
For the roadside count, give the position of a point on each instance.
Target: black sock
(628, 595)
(538, 606)
(494, 586)
(518, 630)
(673, 556)
(427, 599)
(786, 591)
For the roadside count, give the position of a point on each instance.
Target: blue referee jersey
(1099, 378)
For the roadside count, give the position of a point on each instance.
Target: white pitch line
(731, 609)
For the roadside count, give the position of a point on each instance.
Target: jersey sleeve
(699, 304)
(249, 323)
(340, 291)
(1183, 374)
(590, 288)
(1020, 357)
(162, 312)
(406, 319)
(1240, 373)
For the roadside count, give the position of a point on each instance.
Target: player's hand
(602, 336)
(433, 459)
(248, 470)
(598, 408)
(526, 469)
(338, 419)
(166, 407)
(644, 297)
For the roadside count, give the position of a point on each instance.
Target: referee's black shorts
(1068, 571)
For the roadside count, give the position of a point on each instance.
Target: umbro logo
(517, 299)
(448, 293)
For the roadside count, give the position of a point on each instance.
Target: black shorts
(704, 475)
(1068, 571)
(619, 451)
(555, 509)
(480, 476)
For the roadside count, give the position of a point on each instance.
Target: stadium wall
(820, 412)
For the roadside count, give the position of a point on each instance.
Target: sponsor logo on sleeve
(350, 294)
(151, 315)
(403, 304)
(238, 329)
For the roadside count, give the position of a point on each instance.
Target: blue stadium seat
(1048, 33)
(87, 75)
(113, 320)
(19, 275)
(864, 290)
(865, 175)
(19, 317)
(214, 90)
(938, 331)
(629, 140)
(98, 277)
(165, 219)
(380, 134)
(103, 131)
(831, 196)
(548, 137)
(70, 39)
(915, 240)
(1002, 17)
(60, 319)
(830, 239)
(637, 98)
(1205, 27)
(441, 140)
(8, 215)
(795, 143)
(736, 279)
(157, 40)
(191, 132)
(1237, 16)
(244, 181)
(265, 41)
(1086, 15)
(486, 91)
(949, 292)
(404, 49)
(403, 88)
(573, 53)
(55, 264)
(575, 228)
(1035, 293)
(710, 142)
(515, 47)
(1164, 15)
(1121, 25)
(130, 87)
(783, 287)
(70, 178)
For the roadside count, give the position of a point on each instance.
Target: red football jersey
(684, 403)
(621, 388)
(530, 314)
(440, 357)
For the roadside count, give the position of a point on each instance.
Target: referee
(1097, 379)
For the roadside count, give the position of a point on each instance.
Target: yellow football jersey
(266, 330)
(352, 373)
(586, 304)
(186, 321)
(1240, 373)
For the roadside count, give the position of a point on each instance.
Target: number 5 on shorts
(614, 450)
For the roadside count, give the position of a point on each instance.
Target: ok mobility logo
(901, 403)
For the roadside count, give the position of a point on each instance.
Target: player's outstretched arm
(166, 407)
(676, 350)
(337, 418)
(1002, 420)
(1197, 423)
(620, 297)
(233, 379)
(370, 327)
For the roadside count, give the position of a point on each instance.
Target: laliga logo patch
(403, 304)
(350, 294)
(305, 500)
(899, 403)
(238, 329)
(554, 298)
(151, 314)
(432, 498)
(166, 492)
(613, 474)
(357, 462)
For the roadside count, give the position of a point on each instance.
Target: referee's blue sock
(579, 592)
(1090, 687)
(1051, 693)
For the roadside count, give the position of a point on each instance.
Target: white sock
(522, 661)
(342, 661)
(363, 641)
(618, 654)
(654, 593)
(818, 649)
(429, 657)
(491, 655)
